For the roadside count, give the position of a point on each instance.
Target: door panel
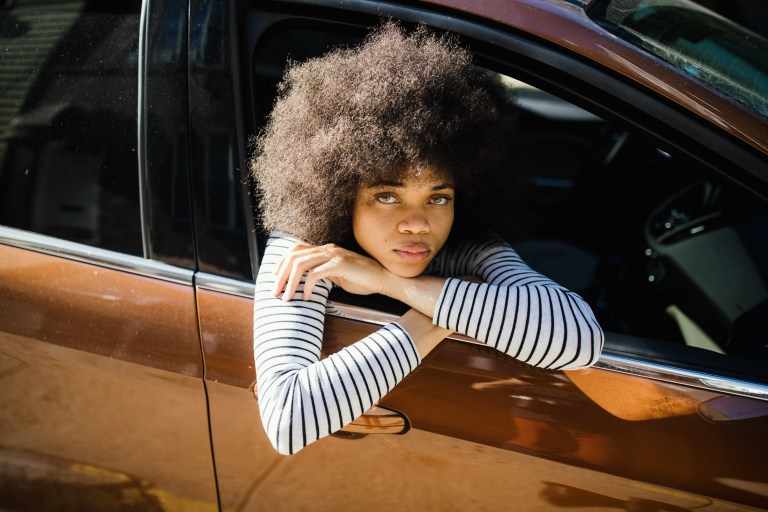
(103, 406)
(486, 431)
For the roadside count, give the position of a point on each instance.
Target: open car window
(672, 258)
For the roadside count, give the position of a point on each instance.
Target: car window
(68, 162)
(660, 248)
(672, 257)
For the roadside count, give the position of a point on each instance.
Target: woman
(368, 173)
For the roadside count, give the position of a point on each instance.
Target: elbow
(279, 419)
(591, 351)
(590, 335)
(281, 448)
(278, 435)
(580, 365)
(281, 435)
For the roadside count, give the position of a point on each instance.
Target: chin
(409, 271)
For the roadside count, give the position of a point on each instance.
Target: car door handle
(376, 420)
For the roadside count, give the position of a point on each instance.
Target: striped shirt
(515, 310)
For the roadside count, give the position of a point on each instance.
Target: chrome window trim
(226, 285)
(665, 373)
(94, 255)
(610, 362)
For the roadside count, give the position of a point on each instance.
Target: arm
(517, 310)
(303, 398)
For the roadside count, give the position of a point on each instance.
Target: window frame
(581, 82)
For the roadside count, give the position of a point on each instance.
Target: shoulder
(478, 247)
(279, 241)
(277, 246)
(464, 254)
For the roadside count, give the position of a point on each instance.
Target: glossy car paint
(101, 373)
(489, 423)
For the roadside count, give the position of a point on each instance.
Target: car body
(128, 249)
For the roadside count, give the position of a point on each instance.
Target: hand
(354, 272)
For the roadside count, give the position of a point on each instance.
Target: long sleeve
(301, 397)
(516, 310)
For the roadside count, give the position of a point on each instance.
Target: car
(129, 244)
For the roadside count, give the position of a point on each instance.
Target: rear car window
(68, 164)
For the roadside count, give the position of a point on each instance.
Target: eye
(440, 200)
(386, 198)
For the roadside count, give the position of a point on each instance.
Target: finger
(286, 263)
(315, 275)
(297, 249)
(282, 273)
(309, 283)
(299, 267)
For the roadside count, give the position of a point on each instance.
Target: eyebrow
(400, 184)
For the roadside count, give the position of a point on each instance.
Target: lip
(413, 252)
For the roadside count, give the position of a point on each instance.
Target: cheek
(367, 228)
(444, 222)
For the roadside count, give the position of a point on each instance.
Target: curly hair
(396, 104)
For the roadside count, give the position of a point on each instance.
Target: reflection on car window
(68, 165)
(722, 54)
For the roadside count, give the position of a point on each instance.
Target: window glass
(706, 46)
(68, 164)
(216, 154)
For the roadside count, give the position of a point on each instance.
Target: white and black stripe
(516, 311)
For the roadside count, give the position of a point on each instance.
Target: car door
(656, 425)
(103, 405)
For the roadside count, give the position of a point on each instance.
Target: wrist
(393, 285)
(420, 292)
(425, 335)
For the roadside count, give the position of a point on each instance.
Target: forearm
(544, 326)
(302, 402)
(425, 335)
(420, 293)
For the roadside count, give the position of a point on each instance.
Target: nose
(414, 221)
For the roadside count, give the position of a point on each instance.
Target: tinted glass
(217, 164)
(68, 165)
(722, 54)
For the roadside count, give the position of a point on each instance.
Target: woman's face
(404, 224)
